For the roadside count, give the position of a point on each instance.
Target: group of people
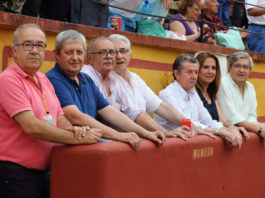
(99, 14)
(103, 101)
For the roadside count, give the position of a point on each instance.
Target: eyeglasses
(28, 45)
(104, 53)
(238, 67)
(122, 51)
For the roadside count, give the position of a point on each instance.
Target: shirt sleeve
(252, 116)
(226, 101)
(254, 2)
(62, 91)
(152, 100)
(15, 94)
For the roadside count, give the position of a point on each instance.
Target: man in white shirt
(137, 90)
(101, 56)
(237, 96)
(182, 96)
(256, 21)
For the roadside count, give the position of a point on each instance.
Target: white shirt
(235, 107)
(117, 98)
(260, 20)
(143, 97)
(189, 105)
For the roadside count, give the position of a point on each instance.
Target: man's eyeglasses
(111, 53)
(28, 45)
(244, 67)
(104, 53)
(122, 51)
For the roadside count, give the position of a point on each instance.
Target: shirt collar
(233, 82)
(20, 72)
(182, 92)
(109, 76)
(61, 71)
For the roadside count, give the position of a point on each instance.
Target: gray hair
(91, 43)
(16, 33)
(69, 36)
(119, 37)
(179, 62)
(239, 55)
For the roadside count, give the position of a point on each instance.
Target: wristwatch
(260, 131)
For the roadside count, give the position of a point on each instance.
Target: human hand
(208, 131)
(239, 130)
(157, 137)
(243, 34)
(182, 132)
(233, 139)
(86, 135)
(131, 138)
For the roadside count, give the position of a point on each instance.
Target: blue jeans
(224, 11)
(127, 24)
(256, 41)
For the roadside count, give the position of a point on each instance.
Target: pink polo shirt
(18, 93)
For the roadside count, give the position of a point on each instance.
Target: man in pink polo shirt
(29, 114)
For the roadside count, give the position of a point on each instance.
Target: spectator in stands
(29, 114)
(182, 96)
(128, 20)
(210, 10)
(80, 98)
(239, 18)
(256, 21)
(224, 11)
(207, 87)
(101, 56)
(187, 10)
(237, 96)
(87, 12)
(135, 88)
(13, 6)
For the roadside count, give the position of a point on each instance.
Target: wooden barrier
(199, 168)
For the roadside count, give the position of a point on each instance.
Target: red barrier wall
(201, 168)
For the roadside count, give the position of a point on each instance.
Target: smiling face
(207, 71)
(187, 77)
(240, 71)
(29, 61)
(71, 57)
(123, 56)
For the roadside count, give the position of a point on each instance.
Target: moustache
(107, 61)
(33, 56)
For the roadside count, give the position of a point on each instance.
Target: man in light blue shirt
(181, 95)
(237, 96)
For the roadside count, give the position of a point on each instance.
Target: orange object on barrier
(201, 167)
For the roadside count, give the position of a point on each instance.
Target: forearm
(193, 37)
(85, 120)
(145, 121)
(256, 11)
(249, 126)
(169, 113)
(63, 122)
